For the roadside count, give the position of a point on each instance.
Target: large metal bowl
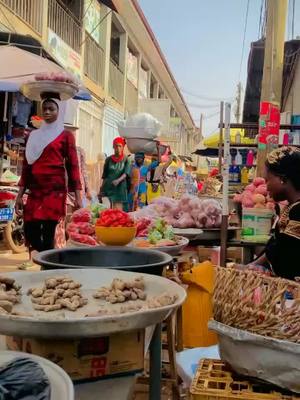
(123, 258)
(73, 324)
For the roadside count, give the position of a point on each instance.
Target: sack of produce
(141, 125)
(24, 379)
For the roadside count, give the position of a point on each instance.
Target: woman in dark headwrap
(115, 174)
(283, 183)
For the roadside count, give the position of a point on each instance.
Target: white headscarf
(39, 139)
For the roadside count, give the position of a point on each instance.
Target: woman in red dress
(50, 158)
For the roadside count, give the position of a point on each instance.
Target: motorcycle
(11, 225)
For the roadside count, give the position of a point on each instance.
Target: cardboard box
(86, 359)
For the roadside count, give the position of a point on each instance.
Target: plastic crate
(214, 380)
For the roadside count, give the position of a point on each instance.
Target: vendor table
(249, 248)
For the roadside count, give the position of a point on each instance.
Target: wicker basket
(249, 301)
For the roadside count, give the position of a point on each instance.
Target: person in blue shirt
(138, 181)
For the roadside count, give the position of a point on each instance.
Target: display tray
(33, 90)
(189, 233)
(68, 324)
(171, 250)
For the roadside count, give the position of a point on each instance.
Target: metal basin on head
(123, 258)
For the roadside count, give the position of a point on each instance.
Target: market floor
(11, 262)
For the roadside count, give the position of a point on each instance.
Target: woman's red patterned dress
(47, 181)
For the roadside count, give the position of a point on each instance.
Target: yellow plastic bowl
(115, 236)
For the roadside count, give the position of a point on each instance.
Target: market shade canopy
(212, 141)
(20, 66)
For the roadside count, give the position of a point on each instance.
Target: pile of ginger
(56, 294)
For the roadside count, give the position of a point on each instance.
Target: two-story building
(117, 57)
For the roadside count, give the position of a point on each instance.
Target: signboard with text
(64, 54)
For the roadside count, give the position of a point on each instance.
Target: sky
(203, 44)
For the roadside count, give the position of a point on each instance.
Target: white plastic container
(61, 385)
(256, 223)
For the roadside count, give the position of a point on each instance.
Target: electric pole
(238, 103)
(273, 61)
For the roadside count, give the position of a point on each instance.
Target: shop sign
(92, 19)
(64, 54)
(269, 121)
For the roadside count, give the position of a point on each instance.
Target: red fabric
(119, 140)
(46, 179)
(122, 141)
(214, 172)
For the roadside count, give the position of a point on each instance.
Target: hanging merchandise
(244, 176)
(269, 122)
(239, 159)
(238, 137)
(250, 158)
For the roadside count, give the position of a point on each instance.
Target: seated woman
(283, 183)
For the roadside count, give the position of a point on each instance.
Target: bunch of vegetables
(114, 218)
(188, 212)
(96, 210)
(159, 231)
(54, 76)
(255, 195)
(81, 229)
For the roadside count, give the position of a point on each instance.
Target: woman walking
(50, 153)
(116, 173)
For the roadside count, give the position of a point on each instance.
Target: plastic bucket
(256, 223)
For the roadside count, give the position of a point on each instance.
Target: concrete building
(117, 57)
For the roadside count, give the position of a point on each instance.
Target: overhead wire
(260, 19)
(87, 9)
(203, 97)
(195, 105)
(244, 39)
(293, 19)
(96, 26)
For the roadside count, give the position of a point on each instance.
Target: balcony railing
(116, 82)
(93, 60)
(131, 98)
(65, 25)
(31, 11)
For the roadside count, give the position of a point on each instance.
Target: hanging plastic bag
(23, 379)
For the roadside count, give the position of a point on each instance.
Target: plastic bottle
(237, 174)
(238, 138)
(244, 176)
(250, 158)
(239, 159)
(231, 173)
(251, 174)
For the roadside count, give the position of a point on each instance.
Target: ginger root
(120, 291)
(57, 293)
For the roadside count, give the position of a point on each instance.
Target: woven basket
(249, 301)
